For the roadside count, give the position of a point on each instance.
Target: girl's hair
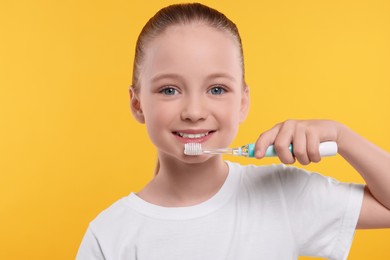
(181, 14)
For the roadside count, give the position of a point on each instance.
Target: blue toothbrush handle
(325, 149)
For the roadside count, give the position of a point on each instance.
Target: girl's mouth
(188, 137)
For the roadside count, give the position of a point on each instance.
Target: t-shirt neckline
(219, 199)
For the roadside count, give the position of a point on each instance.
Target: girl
(188, 86)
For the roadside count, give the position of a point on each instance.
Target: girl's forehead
(193, 47)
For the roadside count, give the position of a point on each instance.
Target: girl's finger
(265, 139)
(299, 143)
(312, 147)
(283, 141)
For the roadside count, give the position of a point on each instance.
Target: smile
(192, 136)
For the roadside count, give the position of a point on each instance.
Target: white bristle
(193, 149)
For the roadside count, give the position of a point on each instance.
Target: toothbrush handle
(326, 149)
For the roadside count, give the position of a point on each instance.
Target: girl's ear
(135, 105)
(244, 109)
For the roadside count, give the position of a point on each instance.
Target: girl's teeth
(192, 135)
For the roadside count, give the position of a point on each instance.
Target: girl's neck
(179, 184)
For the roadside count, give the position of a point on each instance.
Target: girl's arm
(373, 164)
(370, 161)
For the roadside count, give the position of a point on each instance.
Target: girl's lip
(193, 140)
(194, 131)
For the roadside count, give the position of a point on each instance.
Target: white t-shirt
(274, 212)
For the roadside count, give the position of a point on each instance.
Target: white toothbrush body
(325, 149)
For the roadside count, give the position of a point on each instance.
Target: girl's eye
(217, 90)
(169, 91)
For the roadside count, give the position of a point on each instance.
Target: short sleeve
(323, 212)
(89, 248)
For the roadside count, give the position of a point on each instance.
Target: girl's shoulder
(280, 171)
(115, 218)
(273, 171)
(279, 176)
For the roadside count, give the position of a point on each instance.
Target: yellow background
(69, 147)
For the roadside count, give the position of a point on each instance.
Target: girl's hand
(369, 160)
(305, 135)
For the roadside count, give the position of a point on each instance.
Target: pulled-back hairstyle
(181, 14)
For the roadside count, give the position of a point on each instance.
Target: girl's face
(191, 90)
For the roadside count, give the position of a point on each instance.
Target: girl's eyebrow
(178, 77)
(221, 75)
(166, 75)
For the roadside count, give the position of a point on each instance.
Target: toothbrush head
(193, 149)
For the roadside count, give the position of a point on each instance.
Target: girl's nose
(194, 109)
